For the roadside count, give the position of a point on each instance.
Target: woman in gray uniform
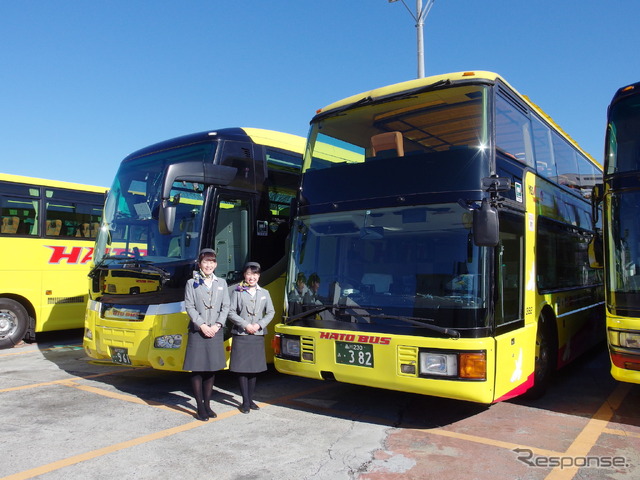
(251, 311)
(206, 299)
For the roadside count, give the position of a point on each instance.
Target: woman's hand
(252, 328)
(208, 331)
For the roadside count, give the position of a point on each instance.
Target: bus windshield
(392, 234)
(411, 262)
(623, 143)
(437, 142)
(130, 224)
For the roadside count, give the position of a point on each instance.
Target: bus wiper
(420, 322)
(322, 308)
(339, 110)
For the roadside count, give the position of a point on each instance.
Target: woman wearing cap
(207, 302)
(251, 311)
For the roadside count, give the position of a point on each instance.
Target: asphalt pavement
(67, 416)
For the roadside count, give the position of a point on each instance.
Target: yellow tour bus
(46, 245)
(446, 253)
(619, 200)
(230, 190)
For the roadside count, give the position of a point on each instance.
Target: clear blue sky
(84, 83)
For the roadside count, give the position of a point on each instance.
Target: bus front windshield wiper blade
(322, 308)
(420, 322)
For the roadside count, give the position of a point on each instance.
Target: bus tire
(545, 358)
(14, 321)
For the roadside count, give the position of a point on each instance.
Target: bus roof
(259, 136)
(626, 91)
(7, 177)
(416, 85)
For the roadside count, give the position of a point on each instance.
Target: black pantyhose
(202, 385)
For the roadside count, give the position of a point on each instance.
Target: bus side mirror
(197, 172)
(166, 218)
(596, 199)
(486, 227)
(596, 250)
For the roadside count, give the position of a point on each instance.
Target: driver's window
(232, 238)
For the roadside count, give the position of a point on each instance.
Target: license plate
(359, 354)
(120, 355)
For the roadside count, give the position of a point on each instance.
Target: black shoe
(253, 406)
(210, 412)
(244, 409)
(202, 417)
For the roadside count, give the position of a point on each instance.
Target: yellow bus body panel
(49, 275)
(387, 358)
(629, 324)
(138, 337)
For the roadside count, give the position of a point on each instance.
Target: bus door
(512, 340)
(232, 236)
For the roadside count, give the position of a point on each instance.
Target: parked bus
(619, 196)
(228, 189)
(46, 245)
(447, 253)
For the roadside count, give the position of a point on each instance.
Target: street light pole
(419, 17)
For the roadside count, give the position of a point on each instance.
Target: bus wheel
(545, 358)
(14, 321)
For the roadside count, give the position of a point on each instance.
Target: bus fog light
(168, 341)
(307, 356)
(441, 364)
(88, 333)
(408, 369)
(291, 347)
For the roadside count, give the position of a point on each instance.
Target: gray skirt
(204, 354)
(247, 354)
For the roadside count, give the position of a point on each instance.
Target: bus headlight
(168, 341)
(625, 339)
(440, 364)
(290, 346)
(467, 365)
(88, 333)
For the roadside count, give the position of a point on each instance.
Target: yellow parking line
(589, 435)
(20, 350)
(61, 381)
(66, 462)
(126, 397)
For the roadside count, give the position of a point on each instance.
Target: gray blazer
(207, 305)
(246, 309)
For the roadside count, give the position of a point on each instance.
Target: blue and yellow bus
(619, 197)
(228, 189)
(445, 252)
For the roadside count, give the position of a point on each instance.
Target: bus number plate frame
(120, 355)
(358, 354)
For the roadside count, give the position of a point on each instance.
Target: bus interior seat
(10, 225)
(387, 144)
(54, 227)
(83, 230)
(381, 282)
